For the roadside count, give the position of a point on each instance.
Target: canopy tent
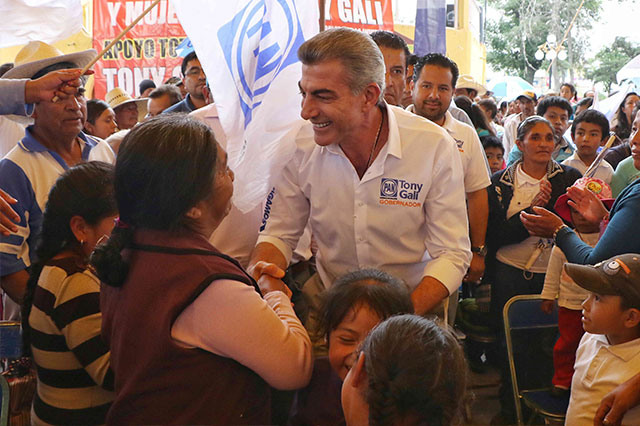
(509, 87)
(630, 70)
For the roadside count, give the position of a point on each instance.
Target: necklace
(373, 149)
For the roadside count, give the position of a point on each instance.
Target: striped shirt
(75, 382)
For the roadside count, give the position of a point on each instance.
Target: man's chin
(390, 99)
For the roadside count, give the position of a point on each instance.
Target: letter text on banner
(249, 50)
(363, 15)
(147, 51)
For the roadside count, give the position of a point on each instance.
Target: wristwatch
(480, 251)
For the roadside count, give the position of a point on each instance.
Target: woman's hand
(542, 223)
(587, 204)
(267, 284)
(542, 198)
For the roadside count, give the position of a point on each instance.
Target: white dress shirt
(604, 171)
(600, 367)
(406, 216)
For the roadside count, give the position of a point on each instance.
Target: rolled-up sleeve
(286, 212)
(12, 97)
(447, 238)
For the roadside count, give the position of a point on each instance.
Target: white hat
(118, 97)
(38, 55)
(465, 81)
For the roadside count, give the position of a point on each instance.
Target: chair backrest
(4, 401)
(523, 313)
(10, 340)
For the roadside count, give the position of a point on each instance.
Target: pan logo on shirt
(460, 144)
(399, 192)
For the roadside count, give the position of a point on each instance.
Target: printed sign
(364, 15)
(147, 51)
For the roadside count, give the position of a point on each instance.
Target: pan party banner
(147, 51)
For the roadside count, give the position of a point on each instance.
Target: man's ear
(372, 95)
(359, 372)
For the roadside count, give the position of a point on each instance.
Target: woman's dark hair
(384, 294)
(474, 112)
(95, 107)
(623, 127)
(165, 166)
(490, 105)
(525, 127)
(584, 102)
(85, 190)
(489, 141)
(594, 117)
(416, 370)
(572, 88)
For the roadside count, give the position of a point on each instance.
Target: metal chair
(10, 348)
(523, 313)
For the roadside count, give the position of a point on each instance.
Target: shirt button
(360, 204)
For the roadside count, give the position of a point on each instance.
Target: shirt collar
(625, 351)
(30, 144)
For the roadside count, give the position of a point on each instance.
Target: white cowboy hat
(117, 97)
(465, 81)
(38, 55)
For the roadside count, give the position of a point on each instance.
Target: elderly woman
(518, 261)
(193, 338)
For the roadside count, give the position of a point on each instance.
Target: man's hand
(587, 204)
(476, 269)
(547, 306)
(7, 215)
(261, 268)
(541, 223)
(61, 84)
(267, 284)
(617, 402)
(429, 293)
(544, 195)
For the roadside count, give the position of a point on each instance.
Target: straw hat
(38, 55)
(117, 97)
(465, 81)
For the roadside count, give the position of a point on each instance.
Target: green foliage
(610, 59)
(513, 39)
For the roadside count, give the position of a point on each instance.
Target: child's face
(494, 157)
(581, 224)
(603, 314)
(588, 139)
(347, 336)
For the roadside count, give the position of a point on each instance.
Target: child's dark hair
(572, 88)
(489, 141)
(165, 166)
(594, 117)
(553, 101)
(584, 102)
(416, 370)
(85, 190)
(384, 294)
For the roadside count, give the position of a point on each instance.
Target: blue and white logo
(258, 43)
(389, 188)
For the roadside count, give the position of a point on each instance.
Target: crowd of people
(146, 297)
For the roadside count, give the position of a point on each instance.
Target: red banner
(147, 51)
(364, 15)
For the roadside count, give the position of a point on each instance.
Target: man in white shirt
(373, 191)
(527, 102)
(433, 86)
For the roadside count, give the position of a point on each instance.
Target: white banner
(38, 20)
(248, 49)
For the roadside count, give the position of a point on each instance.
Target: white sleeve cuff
(278, 243)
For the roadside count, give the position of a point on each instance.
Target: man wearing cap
(146, 86)
(609, 352)
(128, 111)
(51, 145)
(194, 81)
(527, 103)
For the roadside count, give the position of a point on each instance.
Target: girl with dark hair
(517, 261)
(410, 371)
(476, 115)
(193, 340)
(101, 120)
(569, 92)
(61, 311)
(350, 308)
(622, 129)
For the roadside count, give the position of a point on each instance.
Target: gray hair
(358, 53)
(525, 127)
